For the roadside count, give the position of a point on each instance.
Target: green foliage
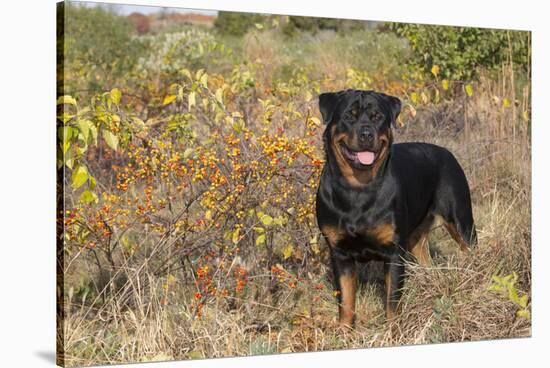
(462, 52)
(296, 25)
(236, 24)
(506, 286)
(99, 46)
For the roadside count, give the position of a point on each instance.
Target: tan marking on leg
(348, 286)
(417, 243)
(451, 228)
(421, 252)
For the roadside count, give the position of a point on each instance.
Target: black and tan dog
(377, 200)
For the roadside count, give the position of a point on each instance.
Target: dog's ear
(395, 108)
(327, 105)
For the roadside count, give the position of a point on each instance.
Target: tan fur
(332, 234)
(348, 287)
(418, 244)
(382, 233)
(451, 228)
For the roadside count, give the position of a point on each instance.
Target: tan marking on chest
(332, 234)
(383, 233)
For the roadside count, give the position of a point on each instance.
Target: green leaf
(93, 132)
(79, 176)
(84, 127)
(260, 239)
(66, 100)
(116, 95)
(88, 197)
(110, 139)
(469, 90)
(168, 99)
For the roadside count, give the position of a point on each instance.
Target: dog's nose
(366, 135)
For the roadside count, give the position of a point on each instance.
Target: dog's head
(358, 134)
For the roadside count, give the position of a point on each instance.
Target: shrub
(99, 46)
(462, 52)
(236, 24)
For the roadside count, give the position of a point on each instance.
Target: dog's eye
(376, 116)
(355, 111)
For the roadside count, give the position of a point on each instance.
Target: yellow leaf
(414, 97)
(315, 121)
(506, 102)
(435, 70)
(219, 95)
(187, 73)
(445, 84)
(524, 313)
(266, 219)
(168, 99)
(469, 90)
(204, 80)
(287, 251)
(116, 95)
(66, 100)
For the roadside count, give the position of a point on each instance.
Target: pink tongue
(365, 157)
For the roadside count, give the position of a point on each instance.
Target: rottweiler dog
(377, 200)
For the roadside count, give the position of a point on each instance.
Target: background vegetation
(189, 158)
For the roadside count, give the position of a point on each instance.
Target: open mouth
(365, 158)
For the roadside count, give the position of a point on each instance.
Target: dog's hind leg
(418, 242)
(459, 222)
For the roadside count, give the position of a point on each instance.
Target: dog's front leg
(394, 276)
(345, 281)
